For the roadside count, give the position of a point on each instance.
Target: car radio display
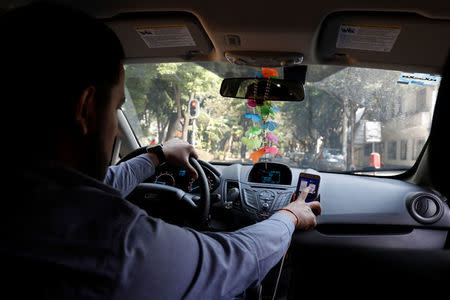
(270, 173)
(268, 176)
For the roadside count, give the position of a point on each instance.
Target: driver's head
(62, 81)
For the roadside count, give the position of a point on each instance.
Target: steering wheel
(200, 205)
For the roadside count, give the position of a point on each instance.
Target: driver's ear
(85, 110)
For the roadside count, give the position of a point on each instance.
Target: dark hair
(50, 54)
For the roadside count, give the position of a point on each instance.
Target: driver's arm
(126, 176)
(163, 261)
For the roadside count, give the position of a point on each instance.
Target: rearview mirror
(262, 89)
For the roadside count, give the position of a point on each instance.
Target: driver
(65, 233)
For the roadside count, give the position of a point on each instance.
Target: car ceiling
(309, 28)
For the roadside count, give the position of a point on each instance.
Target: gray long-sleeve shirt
(94, 244)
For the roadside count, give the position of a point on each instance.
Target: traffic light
(194, 108)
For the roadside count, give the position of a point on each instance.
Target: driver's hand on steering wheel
(177, 153)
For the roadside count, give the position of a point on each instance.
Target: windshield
(352, 119)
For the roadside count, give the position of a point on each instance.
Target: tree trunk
(187, 118)
(172, 128)
(352, 136)
(178, 101)
(175, 119)
(345, 131)
(160, 130)
(227, 147)
(243, 123)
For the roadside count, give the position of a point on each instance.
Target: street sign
(373, 132)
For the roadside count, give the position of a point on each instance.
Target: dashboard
(356, 210)
(372, 227)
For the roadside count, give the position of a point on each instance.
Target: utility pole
(194, 130)
(345, 133)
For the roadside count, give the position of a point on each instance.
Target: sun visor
(178, 36)
(393, 40)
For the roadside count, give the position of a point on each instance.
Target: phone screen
(305, 180)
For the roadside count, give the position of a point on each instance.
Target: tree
(161, 93)
(220, 126)
(355, 88)
(317, 116)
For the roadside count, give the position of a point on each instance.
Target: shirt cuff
(285, 220)
(150, 169)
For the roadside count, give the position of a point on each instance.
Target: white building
(403, 133)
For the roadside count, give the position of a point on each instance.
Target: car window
(351, 118)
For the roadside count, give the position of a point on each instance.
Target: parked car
(307, 161)
(331, 160)
(297, 156)
(272, 157)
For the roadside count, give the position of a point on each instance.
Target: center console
(267, 189)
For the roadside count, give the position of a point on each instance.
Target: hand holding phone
(308, 180)
(303, 218)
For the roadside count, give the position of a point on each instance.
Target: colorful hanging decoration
(272, 138)
(269, 125)
(255, 117)
(255, 156)
(269, 73)
(251, 103)
(260, 137)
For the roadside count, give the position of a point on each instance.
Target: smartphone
(304, 180)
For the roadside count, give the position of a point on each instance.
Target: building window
(392, 150)
(403, 149)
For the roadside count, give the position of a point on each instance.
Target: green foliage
(253, 131)
(161, 92)
(317, 116)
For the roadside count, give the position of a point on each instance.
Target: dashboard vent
(233, 194)
(425, 208)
